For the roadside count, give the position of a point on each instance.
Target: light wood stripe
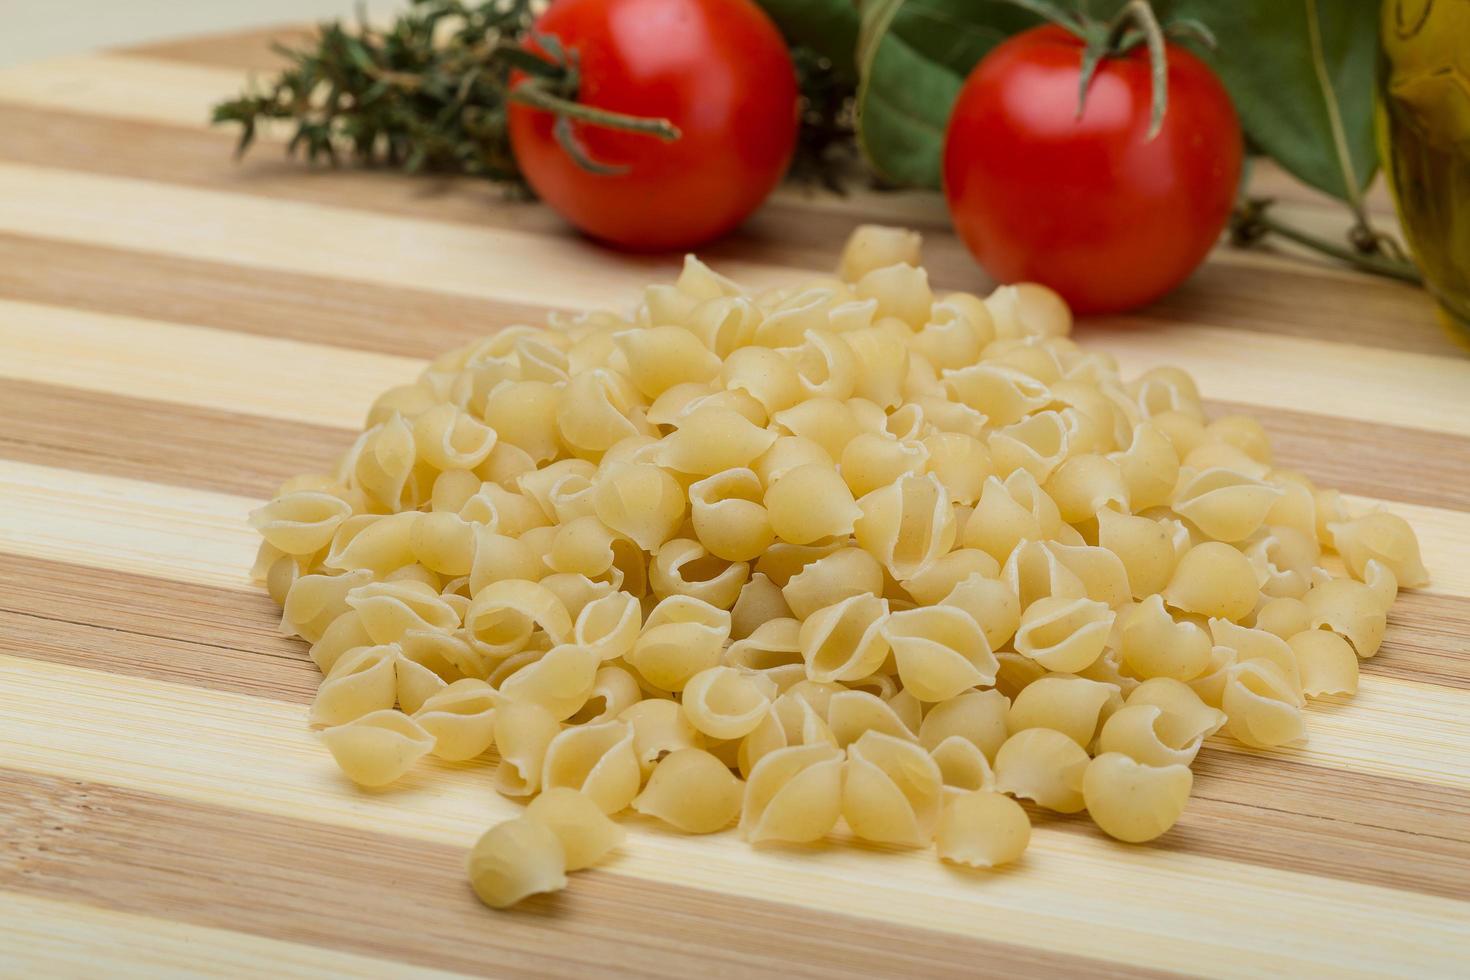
(227, 371)
(334, 242)
(60, 939)
(127, 525)
(61, 514)
(270, 303)
(1074, 897)
(1304, 375)
(122, 87)
(1241, 290)
(287, 878)
(1346, 825)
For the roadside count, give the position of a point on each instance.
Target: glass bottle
(1424, 139)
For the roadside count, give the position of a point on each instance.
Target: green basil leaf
(1292, 66)
(912, 59)
(828, 27)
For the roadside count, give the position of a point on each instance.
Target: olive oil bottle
(1424, 139)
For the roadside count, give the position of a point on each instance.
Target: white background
(35, 29)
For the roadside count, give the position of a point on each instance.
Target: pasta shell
(982, 829)
(1352, 610)
(585, 832)
(560, 680)
(609, 626)
(660, 727)
(314, 602)
(962, 766)
(976, 716)
(362, 681)
(1074, 706)
(377, 748)
(1139, 732)
(597, 760)
(1225, 504)
(891, 791)
(523, 732)
(504, 615)
(907, 525)
(760, 601)
(1213, 579)
(1385, 537)
(461, 719)
(390, 609)
(691, 791)
(1153, 644)
(1132, 801)
(844, 641)
(810, 502)
(793, 794)
(852, 713)
(993, 604)
(1327, 663)
(729, 517)
(1043, 765)
(516, 859)
(1262, 706)
(1063, 634)
(1037, 444)
(940, 651)
(449, 438)
(681, 637)
(683, 567)
(301, 523)
(725, 703)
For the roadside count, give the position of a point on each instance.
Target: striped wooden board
(178, 334)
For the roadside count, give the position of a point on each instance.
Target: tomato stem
(1251, 221)
(532, 93)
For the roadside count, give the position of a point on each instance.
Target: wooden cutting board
(179, 333)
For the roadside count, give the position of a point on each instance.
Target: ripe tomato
(716, 69)
(1089, 206)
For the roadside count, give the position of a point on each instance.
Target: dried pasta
(847, 556)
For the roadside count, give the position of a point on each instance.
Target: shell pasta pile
(850, 557)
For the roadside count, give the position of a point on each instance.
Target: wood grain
(117, 847)
(180, 332)
(249, 753)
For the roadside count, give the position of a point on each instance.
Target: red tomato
(717, 69)
(1089, 206)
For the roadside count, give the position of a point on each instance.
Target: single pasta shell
(793, 794)
(982, 829)
(379, 747)
(515, 859)
(1132, 801)
(692, 791)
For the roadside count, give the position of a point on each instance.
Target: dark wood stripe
(1428, 640)
(219, 639)
(1371, 459)
(407, 901)
(166, 443)
(1256, 298)
(208, 448)
(1396, 833)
